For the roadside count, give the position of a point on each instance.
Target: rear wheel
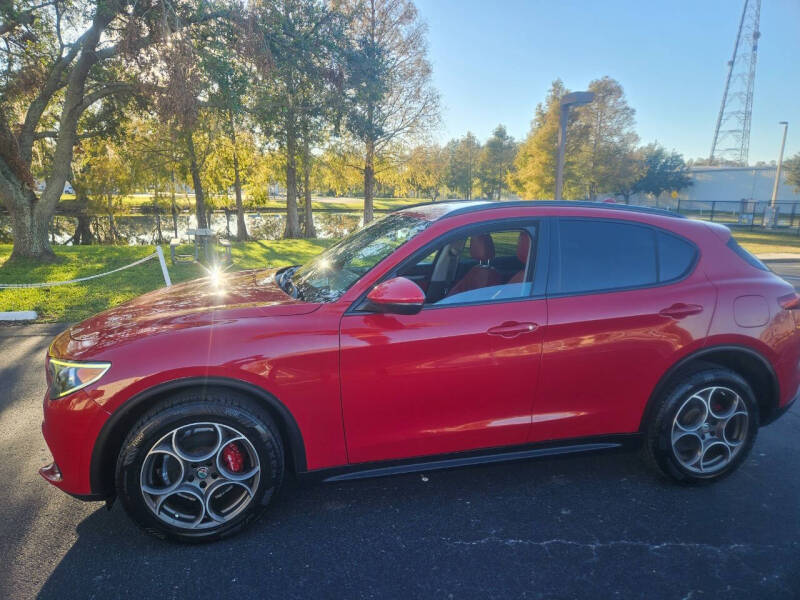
(703, 426)
(200, 466)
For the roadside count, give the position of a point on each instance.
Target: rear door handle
(511, 329)
(680, 310)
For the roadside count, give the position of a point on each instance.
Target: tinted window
(746, 256)
(603, 255)
(675, 257)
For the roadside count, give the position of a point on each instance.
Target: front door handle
(511, 329)
(680, 310)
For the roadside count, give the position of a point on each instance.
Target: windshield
(329, 275)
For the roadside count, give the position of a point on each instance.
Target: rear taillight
(790, 301)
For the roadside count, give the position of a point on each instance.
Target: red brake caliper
(232, 457)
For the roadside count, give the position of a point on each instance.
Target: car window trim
(522, 223)
(555, 263)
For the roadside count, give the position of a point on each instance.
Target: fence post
(164, 271)
(753, 217)
(713, 206)
(678, 209)
(791, 219)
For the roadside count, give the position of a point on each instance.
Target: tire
(703, 425)
(199, 466)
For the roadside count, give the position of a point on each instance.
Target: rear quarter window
(675, 257)
(745, 255)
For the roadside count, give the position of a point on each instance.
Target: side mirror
(397, 295)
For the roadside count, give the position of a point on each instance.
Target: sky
(493, 61)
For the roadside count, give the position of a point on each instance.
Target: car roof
(433, 211)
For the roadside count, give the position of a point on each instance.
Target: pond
(143, 229)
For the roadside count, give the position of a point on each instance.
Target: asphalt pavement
(591, 526)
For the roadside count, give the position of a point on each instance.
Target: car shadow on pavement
(549, 528)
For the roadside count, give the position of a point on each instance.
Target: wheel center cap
(202, 472)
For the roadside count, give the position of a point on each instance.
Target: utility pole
(567, 102)
(771, 214)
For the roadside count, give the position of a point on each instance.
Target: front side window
(605, 255)
(488, 266)
(329, 275)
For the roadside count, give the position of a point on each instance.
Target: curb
(20, 315)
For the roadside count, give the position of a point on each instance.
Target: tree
(230, 80)
(391, 98)
(495, 162)
(462, 164)
(534, 174)
(60, 60)
(303, 37)
(792, 168)
(660, 171)
(426, 170)
(599, 155)
(605, 160)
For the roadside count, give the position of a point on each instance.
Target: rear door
(624, 300)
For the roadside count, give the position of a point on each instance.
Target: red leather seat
(481, 248)
(523, 246)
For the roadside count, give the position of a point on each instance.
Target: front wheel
(703, 426)
(200, 466)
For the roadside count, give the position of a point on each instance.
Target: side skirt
(465, 459)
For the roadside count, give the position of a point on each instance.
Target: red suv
(441, 335)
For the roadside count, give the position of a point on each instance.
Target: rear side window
(605, 255)
(745, 255)
(675, 257)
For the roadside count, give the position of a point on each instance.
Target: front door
(462, 373)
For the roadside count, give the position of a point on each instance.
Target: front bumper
(70, 427)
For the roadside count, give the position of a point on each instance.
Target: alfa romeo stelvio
(441, 335)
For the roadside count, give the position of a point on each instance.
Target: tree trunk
(241, 226)
(83, 231)
(157, 210)
(369, 182)
(199, 198)
(174, 206)
(311, 231)
(29, 228)
(292, 229)
(112, 225)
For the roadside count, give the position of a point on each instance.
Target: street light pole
(567, 102)
(771, 218)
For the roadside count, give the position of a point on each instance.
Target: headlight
(69, 376)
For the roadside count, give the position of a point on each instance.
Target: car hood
(205, 302)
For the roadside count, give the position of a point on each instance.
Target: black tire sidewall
(248, 420)
(659, 439)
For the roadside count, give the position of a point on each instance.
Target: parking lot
(593, 526)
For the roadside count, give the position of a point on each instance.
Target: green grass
(74, 302)
(759, 242)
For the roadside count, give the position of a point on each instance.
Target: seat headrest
(481, 247)
(523, 246)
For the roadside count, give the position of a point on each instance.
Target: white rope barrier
(157, 254)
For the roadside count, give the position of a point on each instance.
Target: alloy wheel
(709, 430)
(200, 475)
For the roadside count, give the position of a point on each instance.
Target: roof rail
(432, 203)
(564, 203)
